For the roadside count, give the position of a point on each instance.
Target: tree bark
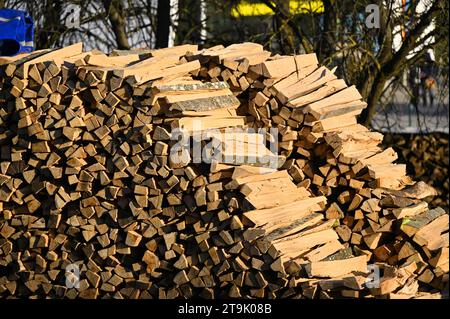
(116, 16)
(162, 24)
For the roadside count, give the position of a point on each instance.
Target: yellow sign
(246, 9)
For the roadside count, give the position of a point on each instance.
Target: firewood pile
(427, 159)
(216, 173)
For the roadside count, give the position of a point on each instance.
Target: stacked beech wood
(86, 180)
(231, 64)
(376, 218)
(88, 177)
(297, 226)
(328, 153)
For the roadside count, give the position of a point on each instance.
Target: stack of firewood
(100, 172)
(427, 159)
(231, 64)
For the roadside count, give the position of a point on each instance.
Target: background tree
(163, 24)
(116, 13)
(190, 22)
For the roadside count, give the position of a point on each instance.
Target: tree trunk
(372, 100)
(327, 41)
(116, 16)
(162, 24)
(285, 34)
(189, 22)
(294, 28)
(49, 34)
(393, 65)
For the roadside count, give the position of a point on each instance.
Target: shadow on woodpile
(426, 157)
